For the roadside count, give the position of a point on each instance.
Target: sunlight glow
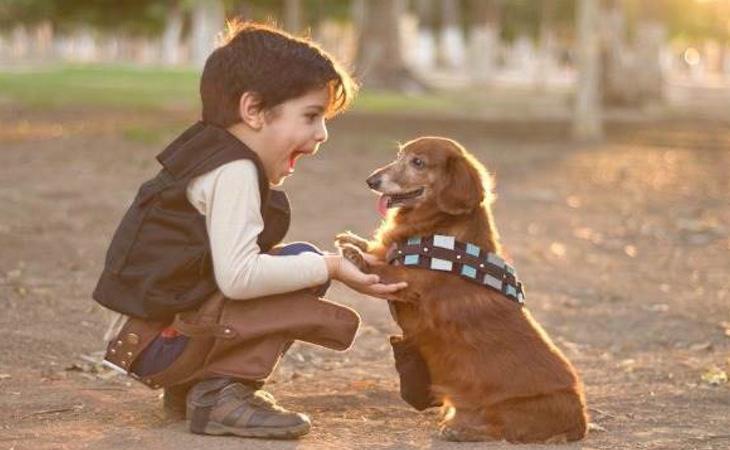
(692, 56)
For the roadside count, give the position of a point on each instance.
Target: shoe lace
(265, 400)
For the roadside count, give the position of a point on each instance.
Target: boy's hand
(343, 270)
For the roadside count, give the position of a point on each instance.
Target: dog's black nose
(373, 182)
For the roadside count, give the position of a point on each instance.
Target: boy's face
(292, 129)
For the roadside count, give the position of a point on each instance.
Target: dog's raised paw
(351, 239)
(354, 255)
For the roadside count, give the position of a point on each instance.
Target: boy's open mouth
(293, 158)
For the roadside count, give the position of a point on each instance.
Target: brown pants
(238, 338)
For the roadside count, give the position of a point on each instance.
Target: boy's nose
(321, 135)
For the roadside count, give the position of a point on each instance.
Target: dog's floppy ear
(461, 190)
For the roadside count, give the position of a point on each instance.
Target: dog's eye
(417, 162)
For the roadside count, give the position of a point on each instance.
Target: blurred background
(546, 58)
(606, 124)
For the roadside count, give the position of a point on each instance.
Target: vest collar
(176, 157)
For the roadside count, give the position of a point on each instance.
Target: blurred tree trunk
(427, 26)
(379, 59)
(587, 121)
(171, 36)
(546, 44)
(451, 40)
(483, 39)
(651, 34)
(293, 16)
(208, 17)
(316, 15)
(633, 73)
(616, 57)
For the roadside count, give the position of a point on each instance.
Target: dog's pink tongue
(383, 205)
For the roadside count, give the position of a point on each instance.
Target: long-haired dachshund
(495, 370)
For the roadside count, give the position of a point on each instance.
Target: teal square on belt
(511, 291)
(444, 241)
(472, 249)
(469, 271)
(410, 260)
(414, 240)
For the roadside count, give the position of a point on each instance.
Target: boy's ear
(249, 107)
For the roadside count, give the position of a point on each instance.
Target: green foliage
(687, 19)
(131, 16)
(698, 20)
(524, 17)
(147, 17)
(313, 11)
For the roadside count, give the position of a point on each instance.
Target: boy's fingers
(370, 280)
(398, 286)
(388, 288)
(372, 260)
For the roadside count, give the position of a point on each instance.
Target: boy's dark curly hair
(273, 64)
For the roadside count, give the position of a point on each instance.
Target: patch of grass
(150, 133)
(125, 87)
(378, 102)
(101, 86)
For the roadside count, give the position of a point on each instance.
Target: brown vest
(159, 262)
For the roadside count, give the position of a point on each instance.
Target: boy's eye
(312, 117)
(417, 163)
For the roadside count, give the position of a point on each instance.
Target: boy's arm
(229, 198)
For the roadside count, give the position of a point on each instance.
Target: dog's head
(432, 171)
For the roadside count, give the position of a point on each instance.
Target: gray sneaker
(219, 406)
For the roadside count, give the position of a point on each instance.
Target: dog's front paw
(351, 239)
(354, 255)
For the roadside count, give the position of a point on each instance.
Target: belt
(446, 254)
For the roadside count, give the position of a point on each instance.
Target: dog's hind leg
(465, 425)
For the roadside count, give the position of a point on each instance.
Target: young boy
(208, 303)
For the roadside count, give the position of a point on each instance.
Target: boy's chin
(277, 181)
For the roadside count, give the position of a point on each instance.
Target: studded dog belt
(445, 253)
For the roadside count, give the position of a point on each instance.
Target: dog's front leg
(396, 274)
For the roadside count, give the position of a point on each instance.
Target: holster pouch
(242, 339)
(415, 379)
(137, 334)
(133, 338)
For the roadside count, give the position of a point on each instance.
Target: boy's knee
(296, 248)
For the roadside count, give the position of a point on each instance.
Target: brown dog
(492, 366)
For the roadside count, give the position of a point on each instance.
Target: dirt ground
(624, 247)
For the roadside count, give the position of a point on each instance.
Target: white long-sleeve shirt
(229, 198)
